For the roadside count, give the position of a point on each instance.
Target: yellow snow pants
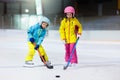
(31, 52)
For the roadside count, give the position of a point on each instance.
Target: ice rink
(98, 60)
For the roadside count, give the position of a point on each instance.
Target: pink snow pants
(68, 48)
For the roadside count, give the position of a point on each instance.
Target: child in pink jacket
(70, 29)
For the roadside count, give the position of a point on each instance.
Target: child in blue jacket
(36, 34)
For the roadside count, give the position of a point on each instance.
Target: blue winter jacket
(36, 32)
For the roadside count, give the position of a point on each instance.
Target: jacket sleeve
(79, 27)
(62, 30)
(30, 32)
(40, 40)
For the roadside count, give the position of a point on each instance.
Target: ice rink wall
(92, 35)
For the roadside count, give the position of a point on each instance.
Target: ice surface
(98, 60)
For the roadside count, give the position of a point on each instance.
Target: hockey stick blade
(49, 67)
(65, 67)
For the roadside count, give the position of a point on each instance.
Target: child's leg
(45, 57)
(74, 57)
(43, 53)
(67, 54)
(31, 52)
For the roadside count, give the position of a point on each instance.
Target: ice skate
(49, 65)
(73, 64)
(28, 64)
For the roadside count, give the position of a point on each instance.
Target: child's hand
(78, 35)
(36, 47)
(32, 40)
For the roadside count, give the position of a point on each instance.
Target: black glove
(36, 47)
(32, 40)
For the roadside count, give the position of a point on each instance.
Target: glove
(78, 35)
(36, 47)
(32, 40)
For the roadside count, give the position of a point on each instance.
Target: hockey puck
(57, 76)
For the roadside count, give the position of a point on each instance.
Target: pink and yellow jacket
(69, 28)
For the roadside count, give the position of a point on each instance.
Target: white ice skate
(49, 65)
(29, 64)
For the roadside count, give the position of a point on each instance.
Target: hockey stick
(43, 58)
(66, 66)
